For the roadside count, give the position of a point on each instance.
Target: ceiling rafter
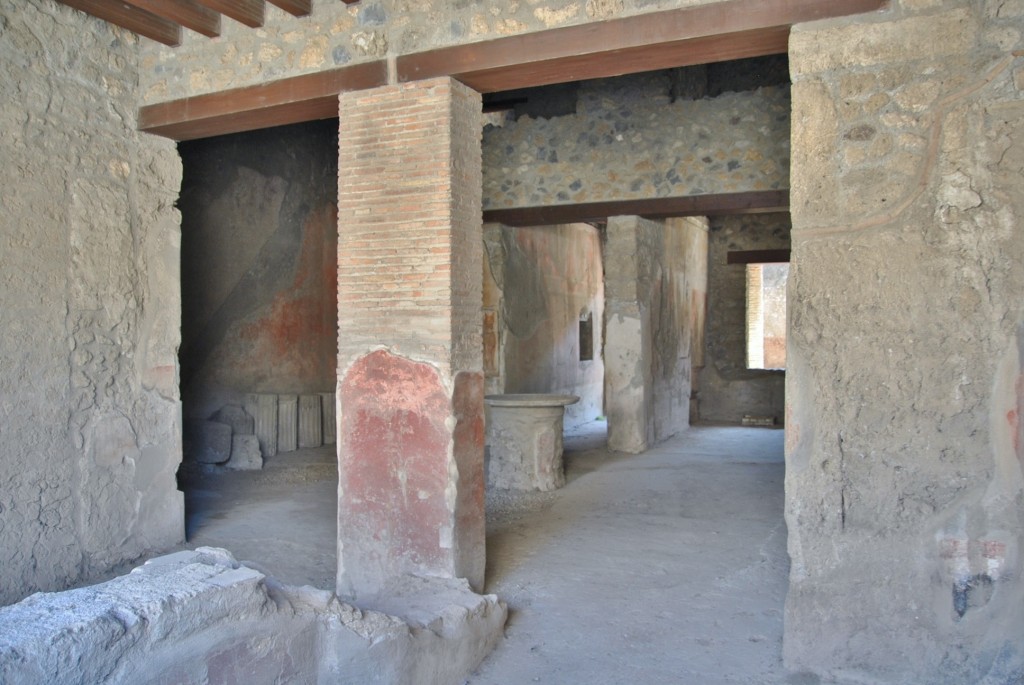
(162, 20)
(188, 13)
(130, 17)
(248, 12)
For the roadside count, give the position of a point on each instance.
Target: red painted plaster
(1013, 418)
(468, 405)
(289, 336)
(393, 467)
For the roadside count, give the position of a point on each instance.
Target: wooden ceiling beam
(248, 12)
(188, 13)
(754, 202)
(685, 53)
(287, 101)
(132, 18)
(693, 35)
(757, 256)
(296, 8)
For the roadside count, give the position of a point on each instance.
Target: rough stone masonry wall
(554, 276)
(259, 265)
(905, 451)
(629, 140)
(727, 390)
(90, 422)
(336, 34)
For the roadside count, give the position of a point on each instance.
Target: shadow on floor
(664, 567)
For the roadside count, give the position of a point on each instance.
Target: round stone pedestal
(524, 439)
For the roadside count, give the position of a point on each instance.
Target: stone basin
(524, 440)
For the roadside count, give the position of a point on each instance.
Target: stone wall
(199, 617)
(336, 34)
(904, 441)
(259, 265)
(89, 306)
(554, 278)
(727, 390)
(631, 138)
(655, 281)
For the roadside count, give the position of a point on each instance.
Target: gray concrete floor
(281, 520)
(664, 567)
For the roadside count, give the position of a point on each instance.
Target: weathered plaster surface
(198, 617)
(90, 421)
(259, 265)
(630, 138)
(727, 391)
(655, 281)
(397, 514)
(550, 277)
(905, 494)
(336, 34)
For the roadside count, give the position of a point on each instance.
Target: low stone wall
(201, 617)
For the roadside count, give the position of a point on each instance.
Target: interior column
(410, 379)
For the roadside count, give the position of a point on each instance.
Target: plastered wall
(259, 265)
(90, 424)
(726, 389)
(543, 280)
(904, 486)
(656, 282)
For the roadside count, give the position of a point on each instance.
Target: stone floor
(281, 520)
(664, 567)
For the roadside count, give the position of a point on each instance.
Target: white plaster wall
(549, 276)
(656, 279)
(89, 306)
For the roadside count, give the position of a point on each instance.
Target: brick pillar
(410, 379)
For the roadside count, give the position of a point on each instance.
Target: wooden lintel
(754, 202)
(296, 8)
(288, 101)
(684, 53)
(248, 12)
(719, 31)
(188, 13)
(132, 18)
(757, 256)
